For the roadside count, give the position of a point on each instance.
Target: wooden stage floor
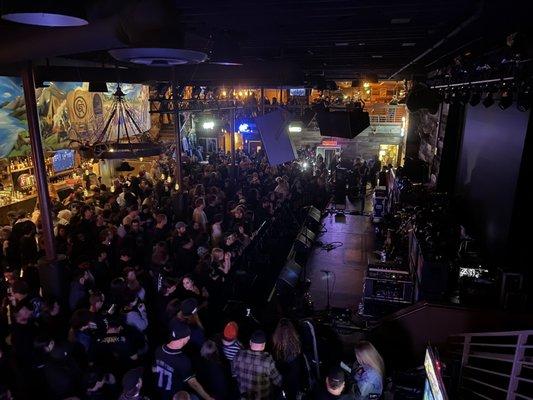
(347, 263)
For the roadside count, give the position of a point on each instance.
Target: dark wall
(487, 176)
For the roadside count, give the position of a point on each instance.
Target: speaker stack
(344, 124)
(293, 269)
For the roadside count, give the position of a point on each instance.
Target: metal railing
(494, 365)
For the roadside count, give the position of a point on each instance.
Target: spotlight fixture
(475, 99)
(506, 100)
(244, 127)
(208, 125)
(523, 100)
(50, 13)
(488, 100)
(295, 128)
(463, 97)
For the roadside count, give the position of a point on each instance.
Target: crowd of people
(145, 273)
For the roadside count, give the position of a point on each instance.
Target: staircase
(493, 365)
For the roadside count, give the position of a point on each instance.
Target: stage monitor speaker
(302, 243)
(315, 214)
(290, 273)
(421, 96)
(343, 123)
(308, 233)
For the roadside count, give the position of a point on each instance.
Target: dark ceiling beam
(265, 73)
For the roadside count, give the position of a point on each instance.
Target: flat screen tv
(434, 387)
(63, 160)
(297, 92)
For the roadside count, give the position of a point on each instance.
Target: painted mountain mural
(68, 114)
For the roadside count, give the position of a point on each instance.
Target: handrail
(502, 333)
(511, 352)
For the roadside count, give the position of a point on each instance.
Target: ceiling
(336, 39)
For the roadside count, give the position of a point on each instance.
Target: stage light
(208, 125)
(177, 187)
(475, 99)
(523, 100)
(305, 165)
(295, 129)
(506, 100)
(488, 100)
(244, 128)
(169, 179)
(111, 150)
(141, 159)
(163, 177)
(366, 85)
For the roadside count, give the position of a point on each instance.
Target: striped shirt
(230, 349)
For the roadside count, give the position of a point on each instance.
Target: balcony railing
(494, 365)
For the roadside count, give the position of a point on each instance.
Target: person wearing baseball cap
(255, 370)
(189, 314)
(172, 367)
(230, 343)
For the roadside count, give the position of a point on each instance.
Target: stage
(347, 263)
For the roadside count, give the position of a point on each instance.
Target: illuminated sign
(329, 143)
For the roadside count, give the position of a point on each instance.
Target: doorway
(328, 152)
(209, 145)
(388, 154)
(254, 146)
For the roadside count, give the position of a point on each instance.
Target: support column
(262, 100)
(39, 164)
(232, 141)
(177, 130)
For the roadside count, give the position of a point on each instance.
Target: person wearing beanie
(230, 343)
(172, 367)
(255, 370)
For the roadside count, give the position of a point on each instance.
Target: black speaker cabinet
(290, 274)
(345, 124)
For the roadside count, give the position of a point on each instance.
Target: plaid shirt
(256, 373)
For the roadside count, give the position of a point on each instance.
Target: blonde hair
(366, 354)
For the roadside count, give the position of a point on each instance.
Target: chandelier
(129, 142)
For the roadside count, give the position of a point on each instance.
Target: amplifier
(389, 290)
(387, 271)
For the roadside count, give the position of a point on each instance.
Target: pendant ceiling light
(53, 13)
(158, 57)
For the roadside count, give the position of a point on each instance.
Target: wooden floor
(347, 262)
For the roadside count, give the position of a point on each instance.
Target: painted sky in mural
(68, 114)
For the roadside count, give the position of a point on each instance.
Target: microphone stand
(328, 294)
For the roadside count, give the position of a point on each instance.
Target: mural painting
(68, 114)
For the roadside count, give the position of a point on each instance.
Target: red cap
(231, 330)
